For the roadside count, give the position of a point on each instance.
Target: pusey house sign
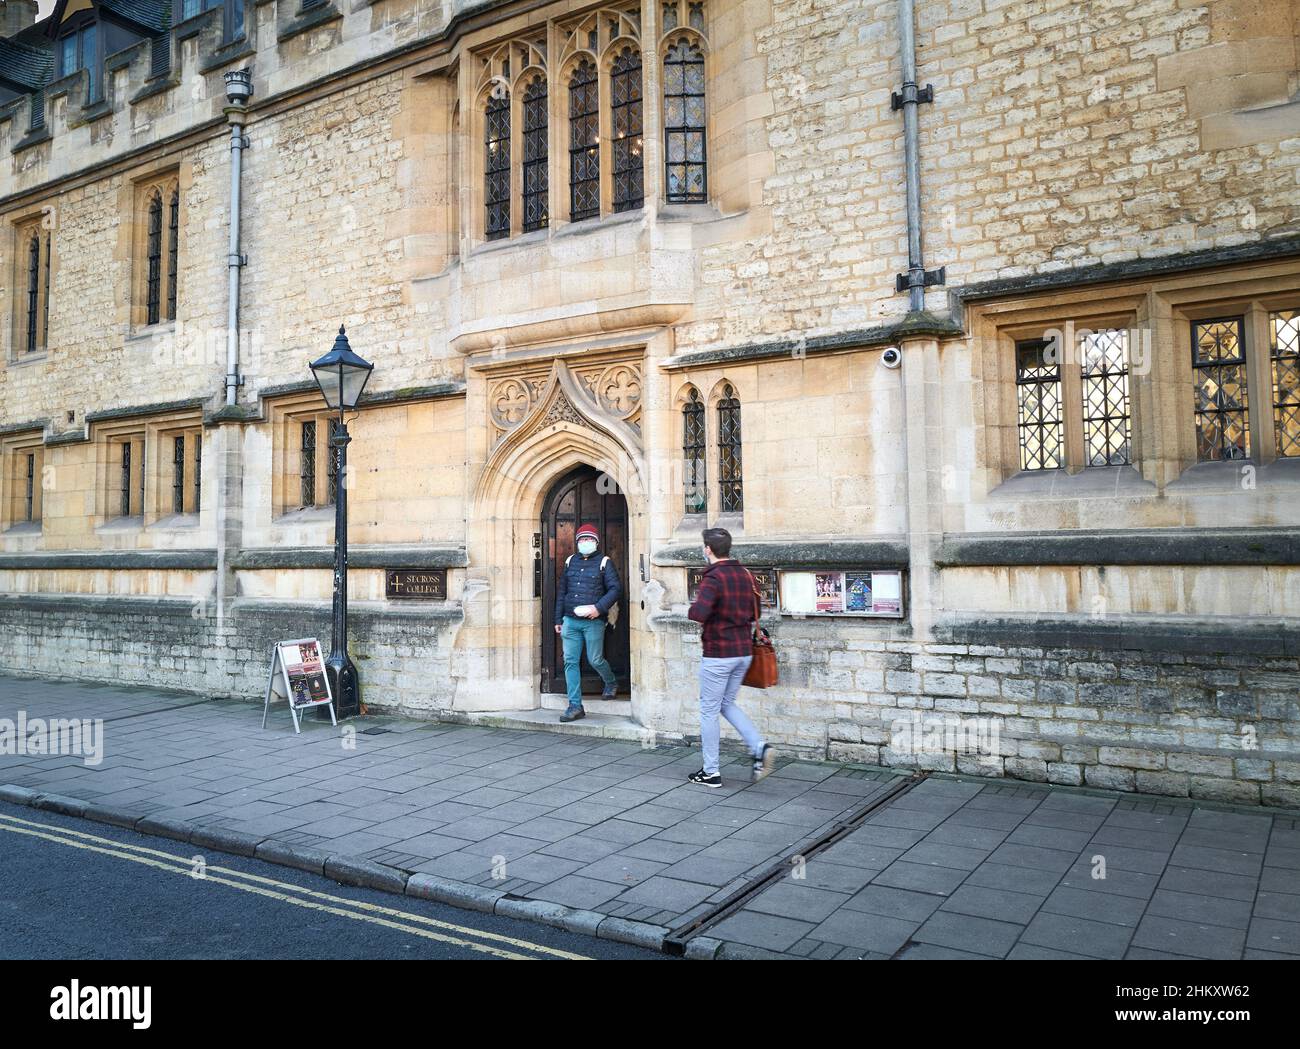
(418, 584)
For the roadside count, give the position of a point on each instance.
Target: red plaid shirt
(725, 605)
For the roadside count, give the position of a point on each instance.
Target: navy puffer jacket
(585, 582)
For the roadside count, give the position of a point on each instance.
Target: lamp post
(341, 376)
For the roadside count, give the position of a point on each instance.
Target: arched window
(496, 167)
(730, 487)
(693, 461)
(45, 305)
(536, 186)
(173, 229)
(154, 255)
(33, 290)
(684, 123)
(584, 143)
(625, 122)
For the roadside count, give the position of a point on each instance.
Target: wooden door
(574, 501)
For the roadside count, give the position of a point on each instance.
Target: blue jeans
(720, 680)
(574, 632)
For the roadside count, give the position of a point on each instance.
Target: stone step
(619, 708)
(602, 726)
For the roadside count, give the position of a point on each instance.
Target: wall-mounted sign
(764, 577)
(416, 584)
(848, 593)
(298, 675)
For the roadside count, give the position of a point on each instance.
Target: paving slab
(953, 867)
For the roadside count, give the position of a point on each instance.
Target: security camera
(891, 358)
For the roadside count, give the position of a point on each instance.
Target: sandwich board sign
(298, 675)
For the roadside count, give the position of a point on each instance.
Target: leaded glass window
(693, 460)
(1038, 398)
(30, 499)
(307, 467)
(1219, 374)
(153, 254)
(684, 122)
(1284, 349)
(697, 15)
(173, 229)
(496, 167)
(45, 305)
(670, 16)
(33, 289)
(198, 472)
(625, 113)
(126, 479)
(536, 185)
(730, 482)
(332, 467)
(584, 143)
(1106, 427)
(178, 474)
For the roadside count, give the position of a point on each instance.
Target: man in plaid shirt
(725, 605)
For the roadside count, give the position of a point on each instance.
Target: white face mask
(587, 547)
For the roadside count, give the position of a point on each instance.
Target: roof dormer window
(232, 24)
(79, 49)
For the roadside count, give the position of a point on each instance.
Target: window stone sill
(121, 525)
(1094, 482)
(176, 523)
(145, 332)
(1229, 476)
(307, 515)
(26, 528)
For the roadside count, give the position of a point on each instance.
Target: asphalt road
(73, 889)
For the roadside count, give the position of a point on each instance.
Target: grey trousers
(720, 680)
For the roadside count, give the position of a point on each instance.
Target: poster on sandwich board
(298, 675)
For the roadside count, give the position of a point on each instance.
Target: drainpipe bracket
(910, 93)
(920, 279)
(237, 260)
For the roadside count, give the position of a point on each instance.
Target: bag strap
(567, 560)
(603, 562)
(758, 608)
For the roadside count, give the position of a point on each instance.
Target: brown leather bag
(762, 669)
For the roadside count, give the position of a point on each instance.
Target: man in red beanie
(585, 592)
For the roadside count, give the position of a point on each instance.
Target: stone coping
(1150, 546)
(887, 551)
(1237, 635)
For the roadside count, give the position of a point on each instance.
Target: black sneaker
(764, 763)
(572, 714)
(705, 779)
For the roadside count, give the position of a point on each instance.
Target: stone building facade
(638, 260)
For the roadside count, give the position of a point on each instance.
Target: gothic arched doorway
(574, 500)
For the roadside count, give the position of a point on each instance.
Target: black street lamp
(341, 376)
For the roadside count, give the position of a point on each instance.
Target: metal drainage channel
(675, 942)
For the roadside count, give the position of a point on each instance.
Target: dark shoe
(573, 713)
(611, 692)
(764, 763)
(704, 779)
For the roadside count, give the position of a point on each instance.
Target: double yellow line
(479, 940)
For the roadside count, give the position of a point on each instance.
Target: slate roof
(151, 14)
(25, 65)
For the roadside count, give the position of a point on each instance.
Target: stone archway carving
(562, 429)
(561, 408)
